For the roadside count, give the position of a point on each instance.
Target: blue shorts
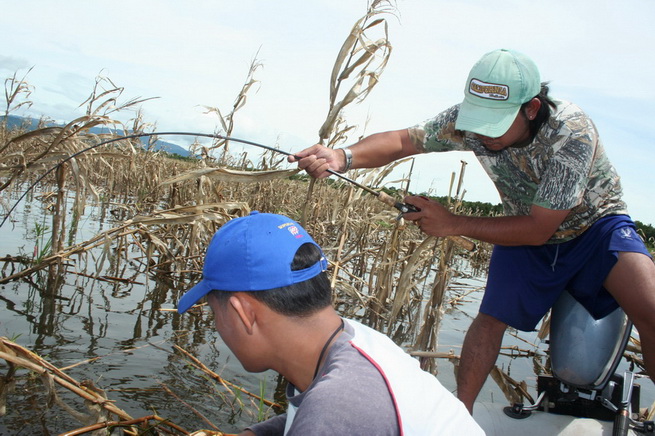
(525, 281)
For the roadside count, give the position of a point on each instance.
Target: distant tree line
(473, 207)
(648, 233)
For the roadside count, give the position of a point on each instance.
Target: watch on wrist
(348, 155)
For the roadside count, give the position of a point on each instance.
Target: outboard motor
(584, 355)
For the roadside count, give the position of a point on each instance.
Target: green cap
(497, 86)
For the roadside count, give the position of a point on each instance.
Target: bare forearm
(510, 231)
(533, 229)
(371, 152)
(382, 148)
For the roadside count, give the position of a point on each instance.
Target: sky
(197, 53)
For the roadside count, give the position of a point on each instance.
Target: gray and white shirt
(370, 386)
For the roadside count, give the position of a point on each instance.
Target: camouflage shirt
(564, 167)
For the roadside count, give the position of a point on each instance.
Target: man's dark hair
(299, 299)
(544, 111)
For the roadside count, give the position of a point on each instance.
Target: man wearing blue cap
(565, 225)
(264, 279)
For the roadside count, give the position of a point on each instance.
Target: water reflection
(118, 337)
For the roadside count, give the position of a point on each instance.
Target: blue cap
(253, 253)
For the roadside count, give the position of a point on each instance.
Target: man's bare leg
(632, 283)
(479, 353)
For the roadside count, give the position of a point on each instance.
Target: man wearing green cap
(565, 225)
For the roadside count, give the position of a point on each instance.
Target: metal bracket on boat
(646, 427)
(642, 427)
(607, 403)
(517, 411)
(520, 411)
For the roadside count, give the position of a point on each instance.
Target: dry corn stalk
(514, 391)
(228, 175)
(22, 357)
(191, 215)
(227, 121)
(356, 60)
(360, 59)
(199, 365)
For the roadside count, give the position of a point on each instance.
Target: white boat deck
(494, 422)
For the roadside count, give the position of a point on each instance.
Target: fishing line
(385, 198)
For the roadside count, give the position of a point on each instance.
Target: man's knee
(489, 323)
(632, 283)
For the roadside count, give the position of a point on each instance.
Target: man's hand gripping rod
(407, 208)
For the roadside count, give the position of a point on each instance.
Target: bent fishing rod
(383, 197)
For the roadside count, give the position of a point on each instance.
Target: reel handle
(406, 207)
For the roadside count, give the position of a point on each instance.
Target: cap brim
(485, 121)
(192, 296)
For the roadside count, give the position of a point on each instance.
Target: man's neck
(304, 344)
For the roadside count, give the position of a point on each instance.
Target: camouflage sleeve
(566, 177)
(438, 134)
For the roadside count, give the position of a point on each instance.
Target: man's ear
(245, 309)
(533, 108)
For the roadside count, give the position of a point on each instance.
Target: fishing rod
(383, 197)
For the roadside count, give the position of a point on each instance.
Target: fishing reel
(405, 208)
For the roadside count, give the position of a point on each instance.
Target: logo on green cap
(492, 91)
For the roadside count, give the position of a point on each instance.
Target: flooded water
(120, 335)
